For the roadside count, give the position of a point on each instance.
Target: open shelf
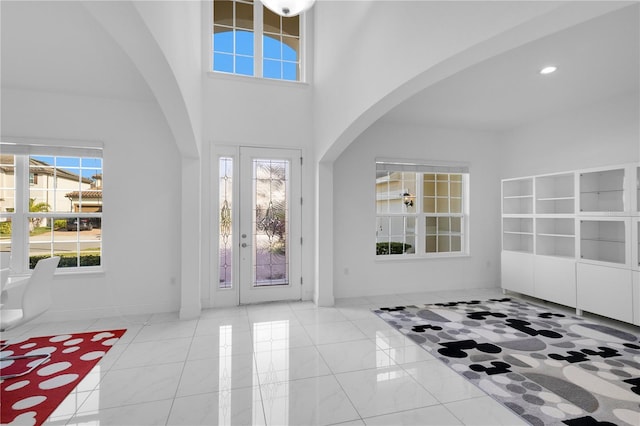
(517, 196)
(517, 225)
(602, 191)
(517, 234)
(555, 194)
(555, 237)
(522, 242)
(518, 205)
(517, 187)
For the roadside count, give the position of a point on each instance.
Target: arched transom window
(249, 39)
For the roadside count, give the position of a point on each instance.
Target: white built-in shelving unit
(518, 233)
(574, 238)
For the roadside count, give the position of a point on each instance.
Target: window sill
(65, 272)
(401, 258)
(256, 80)
(95, 271)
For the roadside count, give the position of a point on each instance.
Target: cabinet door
(605, 291)
(555, 279)
(517, 272)
(636, 297)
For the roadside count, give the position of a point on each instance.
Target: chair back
(5, 271)
(5, 259)
(4, 277)
(37, 294)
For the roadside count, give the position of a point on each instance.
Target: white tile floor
(274, 364)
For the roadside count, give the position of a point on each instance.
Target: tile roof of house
(97, 194)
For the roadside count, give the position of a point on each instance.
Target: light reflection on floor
(275, 364)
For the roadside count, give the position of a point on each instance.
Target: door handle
(243, 245)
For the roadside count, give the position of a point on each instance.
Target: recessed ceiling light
(548, 70)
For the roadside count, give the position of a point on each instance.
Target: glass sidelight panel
(225, 236)
(271, 222)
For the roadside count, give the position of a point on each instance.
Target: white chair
(36, 299)
(5, 261)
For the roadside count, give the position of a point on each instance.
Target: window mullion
(421, 230)
(20, 231)
(258, 28)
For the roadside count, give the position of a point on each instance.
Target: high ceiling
(596, 60)
(58, 47)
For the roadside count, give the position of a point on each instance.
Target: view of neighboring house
(87, 200)
(56, 188)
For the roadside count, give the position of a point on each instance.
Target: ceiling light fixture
(548, 70)
(288, 8)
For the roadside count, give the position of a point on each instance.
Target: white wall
(370, 56)
(242, 111)
(601, 134)
(361, 72)
(423, 35)
(176, 27)
(141, 219)
(357, 272)
(249, 111)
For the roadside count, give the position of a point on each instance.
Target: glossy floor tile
(273, 364)
(384, 390)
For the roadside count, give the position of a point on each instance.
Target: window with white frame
(249, 39)
(421, 209)
(51, 205)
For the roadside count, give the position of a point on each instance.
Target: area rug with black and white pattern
(546, 366)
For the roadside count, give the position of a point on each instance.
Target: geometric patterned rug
(549, 368)
(31, 398)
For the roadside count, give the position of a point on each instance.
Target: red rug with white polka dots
(30, 399)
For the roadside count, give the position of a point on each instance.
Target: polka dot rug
(30, 399)
(547, 367)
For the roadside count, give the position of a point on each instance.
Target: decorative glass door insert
(269, 232)
(271, 224)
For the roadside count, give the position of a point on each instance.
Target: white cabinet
(636, 296)
(605, 240)
(517, 272)
(574, 238)
(602, 191)
(635, 246)
(555, 279)
(605, 291)
(637, 188)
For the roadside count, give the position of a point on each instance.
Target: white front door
(270, 225)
